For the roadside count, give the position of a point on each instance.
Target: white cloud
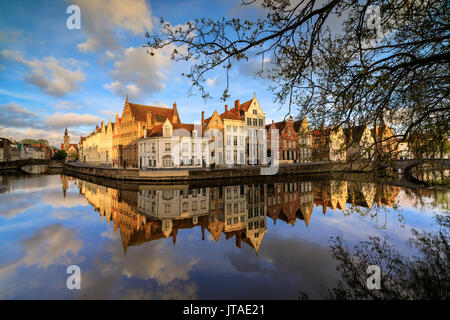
(15, 115)
(137, 73)
(256, 65)
(54, 77)
(62, 120)
(211, 82)
(54, 244)
(102, 18)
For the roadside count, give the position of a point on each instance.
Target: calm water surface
(258, 241)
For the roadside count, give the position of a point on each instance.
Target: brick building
(288, 141)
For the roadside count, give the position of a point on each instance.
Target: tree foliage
(60, 155)
(34, 141)
(390, 68)
(424, 276)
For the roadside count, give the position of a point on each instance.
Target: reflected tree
(422, 276)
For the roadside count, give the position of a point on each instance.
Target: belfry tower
(66, 140)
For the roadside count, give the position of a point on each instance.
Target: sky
(52, 77)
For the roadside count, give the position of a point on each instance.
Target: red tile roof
(140, 111)
(231, 114)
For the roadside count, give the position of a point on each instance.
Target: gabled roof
(298, 124)
(244, 106)
(281, 125)
(140, 111)
(157, 131)
(355, 133)
(231, 115)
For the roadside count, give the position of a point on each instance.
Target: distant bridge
(410, 163)
(17, 164)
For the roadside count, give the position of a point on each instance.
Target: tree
(33, 141)
(60, 155)
(387, 66)
(424, 276)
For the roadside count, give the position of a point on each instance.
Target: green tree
(60, 155)
(381, 69)
(33, 141)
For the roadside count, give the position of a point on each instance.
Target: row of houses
(148, 137)
(12, 150)
(155, 137)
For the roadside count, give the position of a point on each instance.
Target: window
(255, 122)
(235, 140)
(167, 147)
(255, 111)
(167, 161)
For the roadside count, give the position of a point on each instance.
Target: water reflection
(237, 211)
(267, 239)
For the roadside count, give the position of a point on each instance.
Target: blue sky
(52, 77)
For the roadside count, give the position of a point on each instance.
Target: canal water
(294, 239)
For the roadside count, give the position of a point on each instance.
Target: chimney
(203, 118)
(175, 113)
(226, 108)
(237, 104)
(149, 120)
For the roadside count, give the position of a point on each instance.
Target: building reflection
(238, 212)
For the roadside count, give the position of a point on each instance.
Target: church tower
(66, 140)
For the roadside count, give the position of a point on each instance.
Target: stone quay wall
(132, 174)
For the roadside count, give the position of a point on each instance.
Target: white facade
(255, 120)
(174, 148)
(169, 205)
(234, 136)
(235, 208)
